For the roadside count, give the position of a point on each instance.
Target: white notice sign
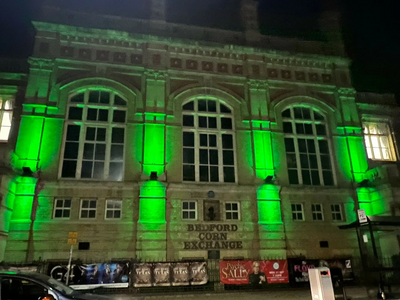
(362, 217)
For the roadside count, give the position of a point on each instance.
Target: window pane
(300, 128)
(306, 113)
(212, 106)
(59, 203)
(224, 109)
(119, 101)
(320, 129)
(88, 151)
(235, 206)
(92, 114)
(66, 213)
(104, 97)
(73, 132)
(119, 116)
(203, 173)
(188, 121)
(318, 116)
(214, 174)
(116, 171)
(313, 161)
(203, 156)
(188, 155)
(69, 169)
(304, 161)
(202, 105)
(85, 204)
(103, 115)
(289, 145)
(192, 205)
(227, 141)
(229, 174)
(188, 106)
(293, 177)
(71, 150)
(328, 178)
(75, 113)
(78, 98)
(302, 145)
(188, 139)
(101, 134)
(90, 134)
(94, 96)
(86, 171)
(84, 214)
(212, 140)
(286, 113)
(109, 214)
(98, 171)
(101, 152)
(203, 140)
(315, 177)
(192, 215)
(214, 157)
(308, 129)
(298, 113)
(287, 127)
(325, 162)
(118, 135)
(323, 146)
(291, 160)
(185, 215)
(228, 158)
(203, 122)
(305, 174)
(185, 205)
(212, 122)
(117, 152)
(235, 216)
(188, 173)
(92, 204)
(92, 214)
(226, 123)
(310, 146)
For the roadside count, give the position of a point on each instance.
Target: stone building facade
(162, 142)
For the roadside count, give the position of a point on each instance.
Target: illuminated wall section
(152, 239)
(269, 204)
(264, 164)
(371, 200)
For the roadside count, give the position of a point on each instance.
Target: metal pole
(69, 264)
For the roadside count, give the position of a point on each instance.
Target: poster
(198, 273)
(298, 268)
(89, 276)
(143, 275)
(162, 274)
(180, 274)
(256, 273)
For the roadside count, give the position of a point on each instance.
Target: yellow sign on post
(72, 238)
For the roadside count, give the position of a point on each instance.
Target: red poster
(254, 272)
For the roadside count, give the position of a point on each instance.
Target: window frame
(316, 212)
(188, 210)
(218, 131)
(368, 140)
(297, 211)
(334, 212)
(84, 124)
(55, 208)
(7, 99)
(113, 209)
(88, 209)
(315, 137)
(232, 211)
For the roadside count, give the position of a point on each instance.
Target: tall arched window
(208, 142)
(95, 136)
(307, 147)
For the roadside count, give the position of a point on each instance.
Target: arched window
(208, 142)
(307, 147)
(95, 136)
(6, 112)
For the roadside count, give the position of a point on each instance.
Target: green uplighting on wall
(152, 203)
(269, 204)
(371, 200)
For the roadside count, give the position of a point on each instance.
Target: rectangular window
(88, 209)
(189, 210)
(317, 212)
(113, 209)
(6, 113)
(62, 209)
(232, 211)
(378, 142)
(336, 210)
(297, 212)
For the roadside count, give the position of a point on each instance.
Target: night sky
(371, 30)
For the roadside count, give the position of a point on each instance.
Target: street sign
(72, 238)
(362, 217)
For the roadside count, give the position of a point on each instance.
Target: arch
(280, 104)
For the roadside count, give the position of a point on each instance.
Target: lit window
(297, 212)
(232, 211)
(95, 136)
(6, 113)
(336, 210)
(307, 147)
(62, 209)
(113, 209)
(317, 212)
(189, 210)
(208, 142)
(88, 209)
(378, 141)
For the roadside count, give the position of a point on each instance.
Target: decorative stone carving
(119, 57)
(272, 73)
(191, 64)
(222, 68)
(85, 53)
(136, 59)
(102, 55)
(176, 63)
(66, 51)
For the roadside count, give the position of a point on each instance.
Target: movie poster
(198, 273)
(162, 274)
(143, 275)
(88, 276)
(180, 273)
(298, 268)
(256, 273)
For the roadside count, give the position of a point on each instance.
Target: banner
(88, 276)
(170, 274)
(298, 268)
(256, 273)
